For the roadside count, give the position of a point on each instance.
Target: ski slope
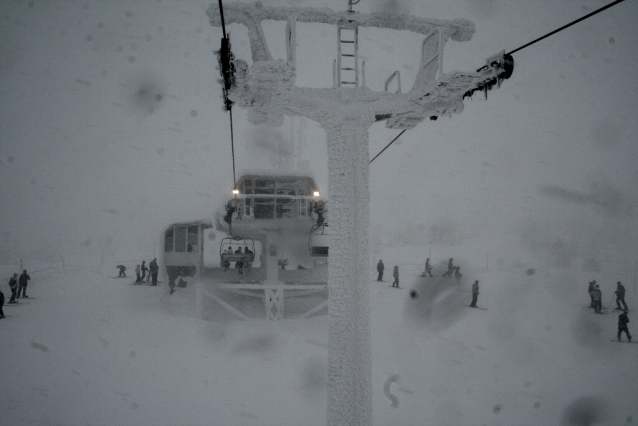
(93, 349)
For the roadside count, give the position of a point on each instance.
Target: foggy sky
(113, 128)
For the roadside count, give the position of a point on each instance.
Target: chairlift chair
(234, 243)
(319, 241)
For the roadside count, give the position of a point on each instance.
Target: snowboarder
(13, 284)
(1, 304)
(23, 281)
(122, 269)
(144, 268)
(248, 264)
(395, 274)
(457, 273)
(475, 293)
(154, 270)
(589, 290)
(623, 320)
(380, 269)
(138, 272)
(620, 296)
(597, 296)
(428, 267)
(450, 268)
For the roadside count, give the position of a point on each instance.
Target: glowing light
(235, 191)
(316, 194)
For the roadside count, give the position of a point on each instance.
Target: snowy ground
(89, 349)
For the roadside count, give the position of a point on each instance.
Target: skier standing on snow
(138, 274)
(475, 293)
(23, 281)
(154, 270)
(144, 269)
(395, 274)
(13, 284)
(589, 290)
(623, 320)
(450, 268)
(620, 296)
(380, 269)
(597, 296)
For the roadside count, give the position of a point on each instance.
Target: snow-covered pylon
(267, 89)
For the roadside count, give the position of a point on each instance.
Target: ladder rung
(347, 54)
(348, 82)
(346, 41)
(347, 69)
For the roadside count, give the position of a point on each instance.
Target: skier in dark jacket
(380, 269)
(122, 269)
(395, 274)
(13, 284)
(623, 320)
(154, 268)
(23, 281)
(620, 296)
(597, 296)
(475, 293)
(1, 304)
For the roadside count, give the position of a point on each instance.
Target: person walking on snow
(13, 285)
(154, 270)
(380, 269)
(475, 293)
(428, 267)
(138, 272)
(623, 320)
(620, 296)
(395, 274)
(597, 296)
(23, 281)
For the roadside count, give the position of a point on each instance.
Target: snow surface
(93, 349)
(113, 129)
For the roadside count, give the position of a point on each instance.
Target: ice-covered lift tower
(346, 111)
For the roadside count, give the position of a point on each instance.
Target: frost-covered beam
(248, 14)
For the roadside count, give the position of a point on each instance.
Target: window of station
(193, 240)
(168, 240)
(180, 239)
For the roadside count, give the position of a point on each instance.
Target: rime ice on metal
(345, 111)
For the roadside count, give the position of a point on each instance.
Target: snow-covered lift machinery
(266, 88)
(319, 242)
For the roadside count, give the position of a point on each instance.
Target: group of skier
(240, 265)
(142, 270)
(18, 286)
(451, 271)
(596, 302)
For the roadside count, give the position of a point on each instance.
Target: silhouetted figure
(154, 268)
(475, 293)
(590, 288)
(122, 269)
(598, 299)
(395, 274)
(428, 267)
(620, 296)
(450, 268)
(138, 274)
(13, 285)
(457, 273)
(23, 281)
(623, 320)
(380, 269)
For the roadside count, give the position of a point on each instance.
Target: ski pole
(612, 299)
